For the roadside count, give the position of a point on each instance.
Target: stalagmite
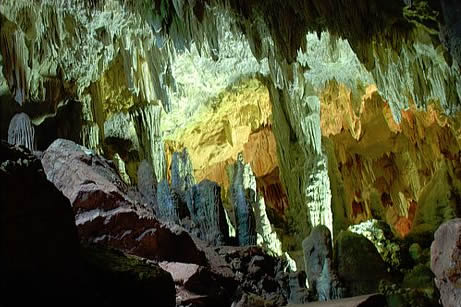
(21, 131)
(165, 207)
(120, 165)
(147, 123)
(205, 207)
(243, 197)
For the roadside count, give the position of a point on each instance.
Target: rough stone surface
(39, 239)
(446, 262)
(372, 300)
(44, 258)
(120, 279)
(359, 264)
(103, 211)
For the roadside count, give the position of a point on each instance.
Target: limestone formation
(105, 213)
(206, 210)
(147, 123)
(445, 262)
(22, 132)
(265, 234)
(182, 176)
(320, 268)
(44, 256)
(345, 112)
(120, 165)
(166, 205)
(182, 179)
(243, 197)
(147, 183)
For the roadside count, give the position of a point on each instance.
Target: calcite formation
(22, 132)
(218, 133)
(243, 198)
(206, 209)
(343, 112)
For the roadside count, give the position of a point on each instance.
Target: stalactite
(21, 131)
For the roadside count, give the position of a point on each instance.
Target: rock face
(360, 266)
(446, 262)
(22, 132)
(103, 211)
(38, 232)
(44, 259)
(126, 280)
(320, 269)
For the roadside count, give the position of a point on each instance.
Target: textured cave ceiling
(364, 96)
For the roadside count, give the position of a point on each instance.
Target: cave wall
(364, 96)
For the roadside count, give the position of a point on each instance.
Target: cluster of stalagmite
(342, 112)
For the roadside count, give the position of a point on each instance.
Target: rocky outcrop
(38, 227)
(44, 258)
(446, 262)
(359, 264)
(121, 279)
(22, 132)
(103, 211)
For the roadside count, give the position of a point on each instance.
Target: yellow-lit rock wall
(407, 173)
(239, 120)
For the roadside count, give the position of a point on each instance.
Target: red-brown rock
(105, 214)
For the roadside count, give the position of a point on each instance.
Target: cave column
(303, 163)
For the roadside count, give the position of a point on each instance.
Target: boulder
(105, 214)
(45, 264)
(446, 262)
(124, 280)
(196, 281)
(360, 266)
(39, 240)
